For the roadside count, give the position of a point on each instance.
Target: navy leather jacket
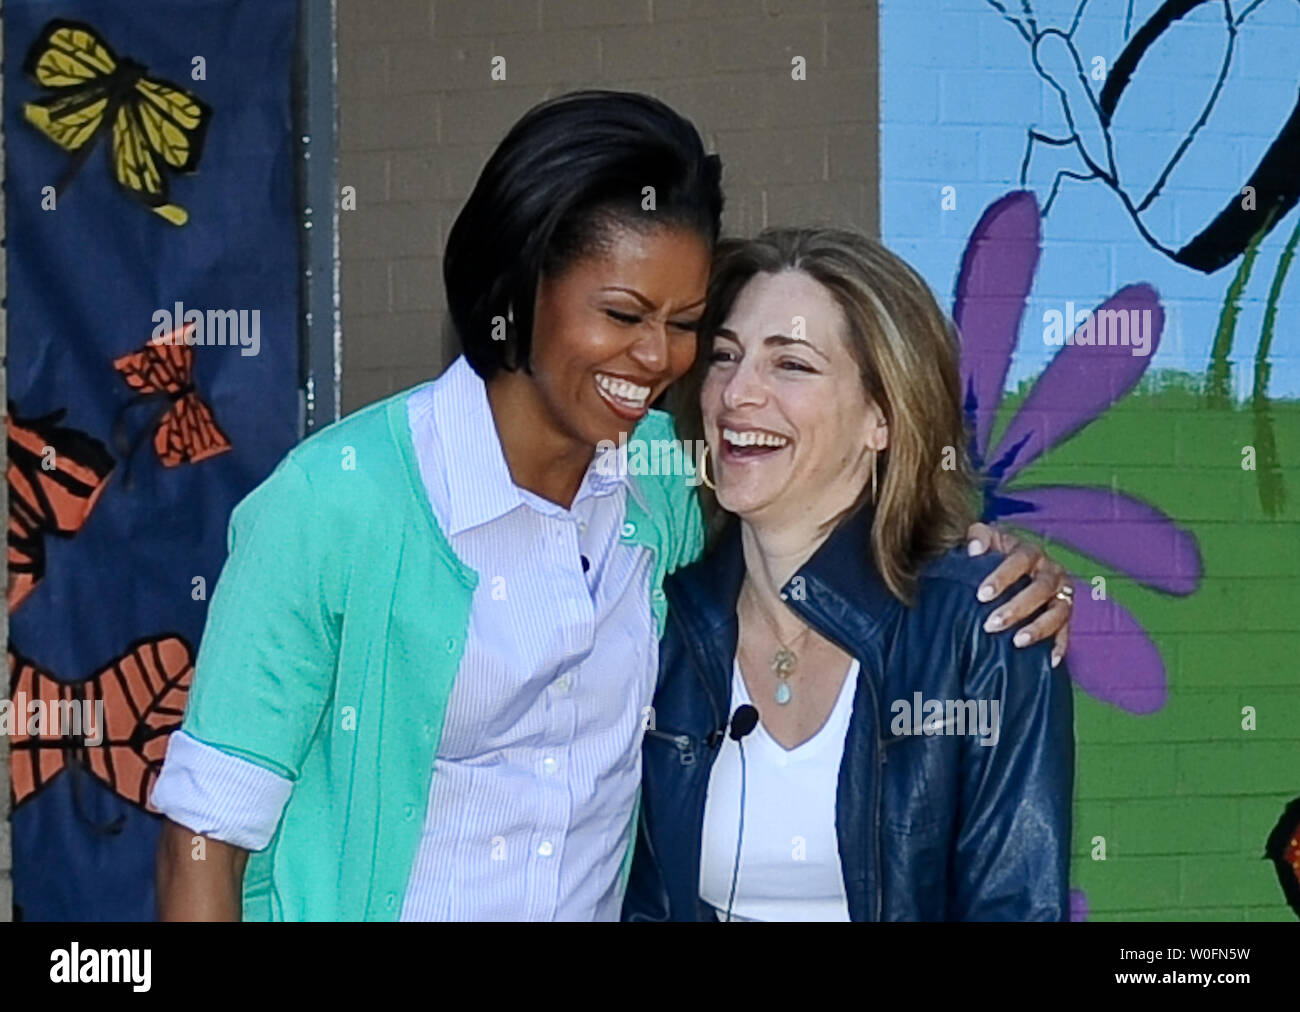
(930, 827)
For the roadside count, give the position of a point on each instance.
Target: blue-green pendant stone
(783, 693)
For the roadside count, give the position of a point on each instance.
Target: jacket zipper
(685, 746)
(686, 753)
(686, 756)
(664, 900)
(876, 791)
(885, 743)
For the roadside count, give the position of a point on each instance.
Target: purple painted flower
(1111, 656)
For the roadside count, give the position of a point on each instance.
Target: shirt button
(546, 849)
(563, 683)
(549, 765)
(428, 730)
(409, 812)
(390, 901)
(451, 644)
(658, 594)
(629, 529)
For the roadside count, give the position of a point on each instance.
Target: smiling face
(613, 330)
(788, 423)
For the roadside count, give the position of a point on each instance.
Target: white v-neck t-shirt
(790, 859)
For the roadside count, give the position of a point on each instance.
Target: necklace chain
(784, 660)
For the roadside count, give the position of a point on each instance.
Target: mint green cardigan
(332, 641)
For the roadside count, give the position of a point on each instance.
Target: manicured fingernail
(993, 624)
(1056, 659)
(985, 593)
(975, 548)
(1021, 639)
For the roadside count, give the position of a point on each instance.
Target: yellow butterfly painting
(156, 125)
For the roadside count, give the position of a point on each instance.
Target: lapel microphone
(743, 721)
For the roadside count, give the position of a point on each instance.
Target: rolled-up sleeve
(220, 795)
(265, 670)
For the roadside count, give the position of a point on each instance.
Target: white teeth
(753, 437)
(624, 390)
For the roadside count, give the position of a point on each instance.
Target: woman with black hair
(428, 660)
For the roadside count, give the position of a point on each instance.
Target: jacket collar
(838, 591)
(839, 585)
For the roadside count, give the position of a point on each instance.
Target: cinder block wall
(419, 114)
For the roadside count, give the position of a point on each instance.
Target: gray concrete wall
(419, 114)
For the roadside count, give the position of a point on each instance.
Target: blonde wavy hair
(907, 354)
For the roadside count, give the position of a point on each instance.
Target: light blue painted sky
(959, 92)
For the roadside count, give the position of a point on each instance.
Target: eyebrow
(646, 302)
(778, 340)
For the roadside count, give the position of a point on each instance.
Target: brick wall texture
(419, 114)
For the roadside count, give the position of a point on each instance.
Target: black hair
(568, 172)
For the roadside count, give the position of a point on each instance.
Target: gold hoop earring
(875, 458)
(704, 469)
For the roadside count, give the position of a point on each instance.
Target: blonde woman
(902, 763)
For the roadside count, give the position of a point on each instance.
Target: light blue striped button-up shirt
(533, 789)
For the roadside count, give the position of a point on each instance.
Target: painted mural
(145, 170)
(1109, 189)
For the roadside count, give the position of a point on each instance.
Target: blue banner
(153, 306)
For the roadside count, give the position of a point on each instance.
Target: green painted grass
(1185, 798)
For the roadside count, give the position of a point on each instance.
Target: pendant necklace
(784, 660)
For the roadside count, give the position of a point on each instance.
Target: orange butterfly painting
(56, 476)
(163, 372)
(114, 724)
